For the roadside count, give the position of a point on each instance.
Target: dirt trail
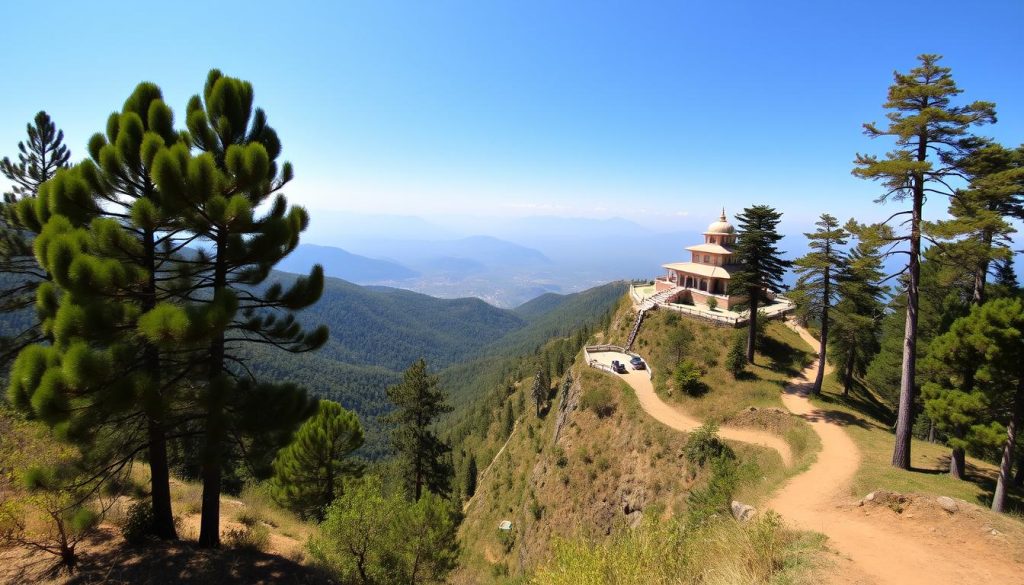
(673, 417)
(879, 550)
(884, 552)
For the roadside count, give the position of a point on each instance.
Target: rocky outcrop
(742, 512)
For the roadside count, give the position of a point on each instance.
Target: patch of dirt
(106, 558)
(774, 420)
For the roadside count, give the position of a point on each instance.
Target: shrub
(712, 303)
(599, 399)
(715, 497)
(704, 445)
(736, 360)
(137, 523)
(687, 378)
(254, 538)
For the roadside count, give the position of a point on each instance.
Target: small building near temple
(706, 274)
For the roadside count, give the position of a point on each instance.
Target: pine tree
(308, 473)
(469, 481)
(38, 161)
(978, 232)
(925, 127)
(761, 264)
(821, 271)
(218, 192)
(859, 312)
(539, 390)
(421, 453)
(103, 235)
(679, 341)
(736, 360)
(990, 340)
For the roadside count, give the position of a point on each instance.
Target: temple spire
(723, 214)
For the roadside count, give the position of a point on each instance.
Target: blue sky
(656, 112)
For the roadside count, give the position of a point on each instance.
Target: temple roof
(710, 248)
(705, 270)
(722, 226)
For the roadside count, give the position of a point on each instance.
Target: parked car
(638, 364)
(618, 367)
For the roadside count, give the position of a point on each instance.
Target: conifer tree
(422, 455)
(761, 264)
(103, 234)
(858, 314)
(821, 271)
(540, 389)
(926, 127)
(977, 235)
(38, 161)
(234, 174)
(736, 359)
(469, 483)
(309, 472)
(990, 340)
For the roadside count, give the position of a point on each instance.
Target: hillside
(597, 482)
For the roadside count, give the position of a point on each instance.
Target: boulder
(742, 512)
(948, 504)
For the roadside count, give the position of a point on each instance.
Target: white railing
(589, 349)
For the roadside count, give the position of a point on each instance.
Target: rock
(995, 532)
(870, 497)
(742, 512)
(948, 504)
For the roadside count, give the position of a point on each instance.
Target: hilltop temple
(707, 273)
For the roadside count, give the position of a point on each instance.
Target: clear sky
(656, 112)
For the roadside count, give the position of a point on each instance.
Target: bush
(253, 538)
(736, 360)
(716, 497)
(712, 303)
(687, 378)
(599, 399)
(137, 523)
(704, 445)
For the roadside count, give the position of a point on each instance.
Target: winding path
(673, 417)
(818, 499)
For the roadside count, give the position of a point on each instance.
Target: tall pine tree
(761, 264)
(858, 314)
(219, 190)
(925, 127)
(821, 271)
(423, 456)
(39, 159)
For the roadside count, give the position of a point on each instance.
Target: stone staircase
(649, 304)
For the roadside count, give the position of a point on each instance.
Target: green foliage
(715, 498)
(308, 472)
(470, 478)
(857, 318)
(375, 536)
(137, 523)
(687, 378)
(422, 455)
(761, 266)
(680, 338)
(703, 445)
(976, 370)
(736, 359)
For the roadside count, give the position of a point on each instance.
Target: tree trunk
(823, 344)
(752, 327)
(848, 374)
(981, 272)
(160, 477)
(209, 523)
(957, 465)
(1018, 478)
(1002, 484)
(905, 416)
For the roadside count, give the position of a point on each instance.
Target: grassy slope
(930, 461)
